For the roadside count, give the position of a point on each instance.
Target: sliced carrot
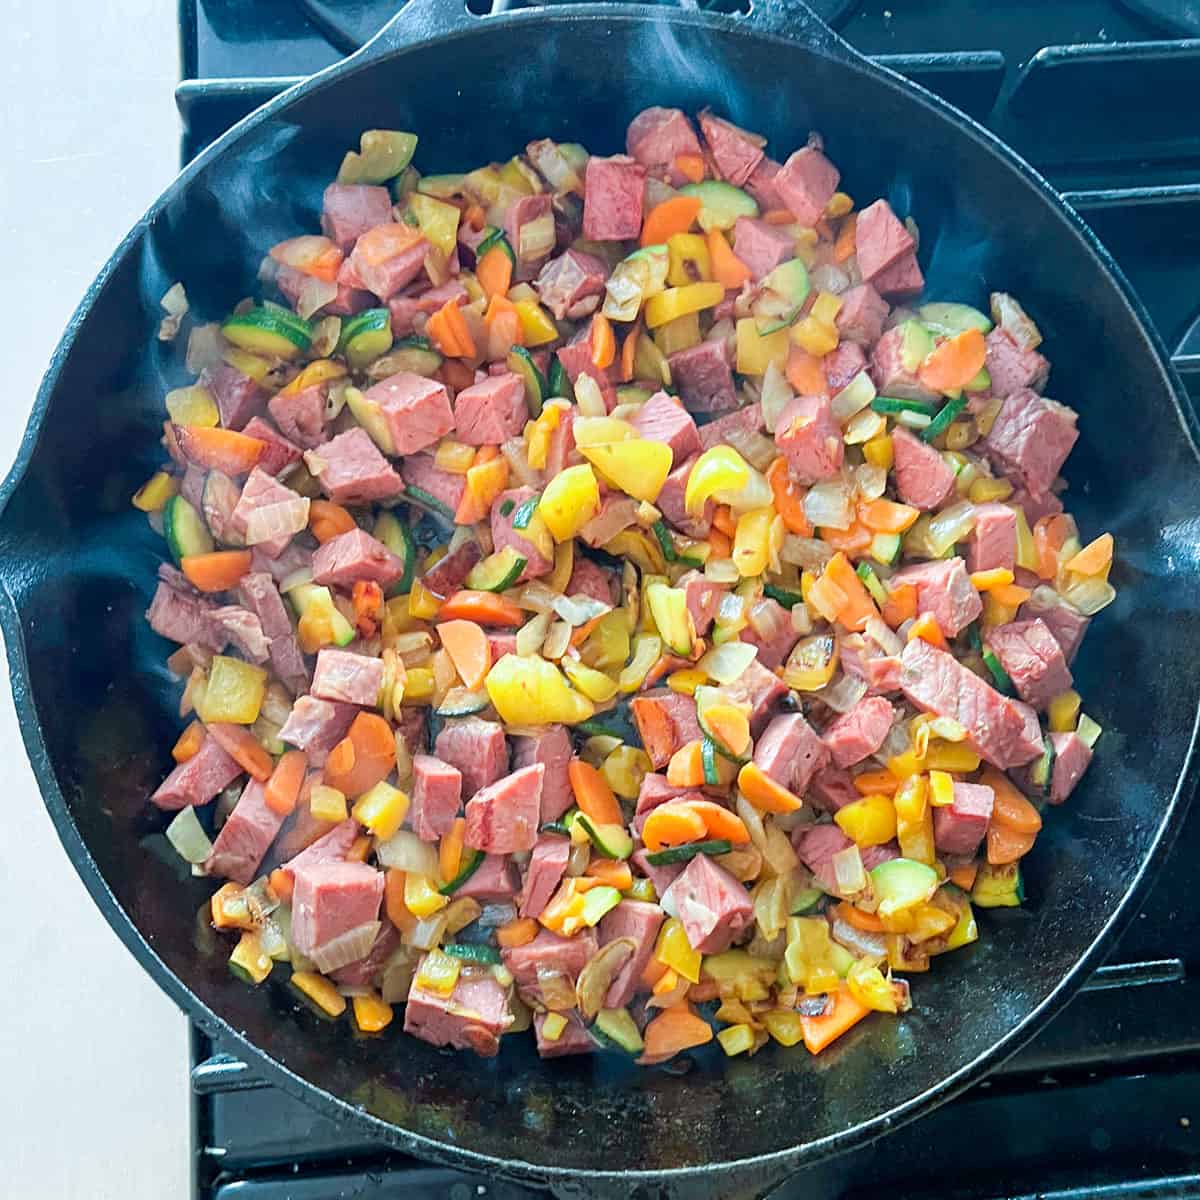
(244, 748)
(723, 519)
(826, 598)
(219, 571)
(983, 581)
(494, 272)
(706, 989)
(593, 794)
(672, 824)
(789, 498)
(469, 650)
(487, 477)
(664, 666)
(719, 822)
(806, 372)
(315, 256)
(669, 983)
(764, 793)
(503, 325)
(190, 741)
(1010, 808)
(450, 849)
(282, 884)
(1006, 845)
(367, 598)
(686, 768)
(283, 787)
(1010, 595)
(859, 607)
(629, 351)
(901, 604)
(1094, 557)
(393, 902)
(672, 216)
(867, 922)
(928, 630)
(876, 783)
(448, 329)
(964, 876)
(327, 520)
(730, 725)
(219, 449)
(845, 1013)
(655, 728)
(364, 757)
(611, 873)
(846, 244)
(1049, 534)
(779, 216)
(954, 362)
(475, 216)
(674, 1030)
(486, 608)
(886, 516)
(727, 269)
(517, 933)
(854, 540)
(652, 972)
(720, 544)
(690, 165)
(581, 633)
(604, 342)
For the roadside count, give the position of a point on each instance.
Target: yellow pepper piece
(679, 301)
(984, 581)
(1027, 555)
(688, 259)
(607, 646)
(624, 769)
(718, 469)
(995, 613)
(736, 1039)
(320, 991)
(906, 764)
(680, 334)
(914, 820)
(570, 500)
(382, 809)
(687, 681)
(536, 324)
(784, 1025)
(930, 921)
(808, 959)
(371, 1014)
(418, 685)
(532, 691)
(950, 756)
(752, 542)
(597, 431)
(1064, 712)
(437, 219)
(439, 971)
(757, 351)
(839, 205)
(869, 987)
(965, 931)
(985, 490)
(870, 821)
(826, 308)
(878, 451)
(249, 364)
(595, 685)
(320, 371)
(234, 693)
(454, 457)
(422, 603)
(251, 959)
(911, 799)
(153, 495)
(540, 433)
(421, 897)
(637, 467)
(553, 1026)
(816, 336)
(668, 981)
(647, 648)
(327, 804)
(193, 406)
(941, 789)
(675, 951)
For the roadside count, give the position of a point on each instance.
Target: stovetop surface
(1105, 1101)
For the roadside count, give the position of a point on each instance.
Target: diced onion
(398, 974)
(801, 619)
(346, 948)
(727, 663)
(863, 426)
(849, 872)
(428, 931)
(721, 570)
(272, 521)
(844, 693)
(295, 579)
(760, 452)
(948, 729)
(858, 941)
(557, 640)
(913, 420)
(768, 620)
(518, 462)
(598, 974)
(853, 398)
(828, 278)
(536, 596)
(1015, 321)
(532, 634)
(404, 851)
(828, 504)
(555, 990)
(882, 634)
(175, 302)
(1090, 595)
(579, 610)
(327, 332)
(204, 348)
(187, 835)
(753, 821)
(810, 554)
(536, 238)
(870, 480)
(588, 397)
(1087, 730)
(313, 295)
(951, 525)
(776, 395)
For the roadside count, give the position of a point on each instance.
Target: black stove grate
(1104, 1103)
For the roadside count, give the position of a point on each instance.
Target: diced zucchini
(619, 1028)
(998, 887)
(782, 596)
(720, 203)
(885, 548)
(902, 883)
(366, 336)
(668, 607)
(713, 847)
(524, 515)
(943, 420)
(613, 841)
(399, 541)
(415, 354)
(708, 758)
(916, 344)
(999, 674)
(893, 406)
(369, 415)
(382, 155)
(497, 572)
(1042, 773)
(185, 531)
(495, 238)
(521, 363)
(558, 381)
(306, 596)
(472, 952)
(948, 319)
(459, 702)
(430, 503)
(784, 291)
(269, 329)
(870, 580)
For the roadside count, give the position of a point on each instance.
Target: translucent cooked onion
(849, 872)
(760, 452)
(809, 554)
(536, 597)
(853, 398)
(860, 942)
(829, 504)
(883, 636)
(721, 570)
(518, 463)
(532, 634)
(555, 990)
(271, 521)
(1015, 321)
(768, 619)
(843, 693)
(175, 303)
(951, 525)
(578, 610)
(552, 163)
(727, 663)
(187, 835)
(776, 395)
(493, 916)
(864, 426)
(598, 974)
(536, 238)
(428, 932)
(589, 398)
(802, 622)
(557, 640)
(404, 851)
(313, 295)
(828, 278)
(326, 334)
(204, 348)
(753, 821)
(1090, 595)
(346, 948)
(870, 480)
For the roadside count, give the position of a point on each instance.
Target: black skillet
(96, 705)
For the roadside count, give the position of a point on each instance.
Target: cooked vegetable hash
(612, 598)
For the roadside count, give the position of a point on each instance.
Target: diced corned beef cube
(872, 856)
(574, 1039)
(857, 734)
(863, 657)
(881, 239)
(332, 898)
(1065, 622)
(238, 396)
(944, 590)
(663, 419)
(958, 828)
(890, 375)
(809, 437)
(712, 905)
(655, 790)
(670, 503)
(1004, 731)
(332, 846)
(436, 797)
(477, 748)
(761, 185)
(245, 837)
(352, 678)
(816, 845)
(661, 877)
(473, 1017)
(503, 817)
(735, 151)
(504, 509)
(807, 182)
(191, 486)
(547, 865)
(923, 478)
(365, 971)
(182, 618)
(410, 312)
(1071, 758)
(1032, 659)
(832, 788)
(759, 688)
(740, 421)
(637, 920)
(502, 644)
(348, 210)
(760, 246)
(244, 630)
(491, 412)
(197, 780)
(703, 599)
(280, 453)
(422, 472)
(301, 415)
(352, 471)
(903, 280)
(993, 541)
(552, 749)
(365, 268)
(790, 752)
(656, 137)
(259, 594)
(565, 956)
(417, 410)
(494, 881)
(316, 726)
(861, 317)
(613, 190)
(665, 721)
(1035, 507)
(345, 303)
(777, 643)
(1011, 366)
(571, 286)
(842, 364)
(703, 377)
(265, 495)
(591, 579)
(302, 830)
(522, 213)
(1031, 439)
(344, 560)
(577, 358)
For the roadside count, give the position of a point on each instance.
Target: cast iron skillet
(97, 705)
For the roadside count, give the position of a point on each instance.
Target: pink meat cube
(344, 560)
(790, 752)
(655, 790)
(449, 574)
(761, 185)
(495, 881)
(348, 210)
(332, 898)
(891, 376)
(670, 503)
(759, 688)
(552, 749)
(504, 509)
(332, 846)
(1071, 758)
(713, 906)
(1031, 439)
(903, 280)
(733, 425)
(238, 396)
(857, 734)
(316, 726)
(352, 471)
(703, 599)
(810, 438)
(503, 817)
(735, 151)
(881, 239)
(491, 412)
(547, 865)
(571, 286)
(555, 955)
(864, 658)
(1032, 659)
(923, 478)
(993, 542)
(473, 1017)
(264, 494)
(944, 590)
(760, 246)
(197, 780)
(301, 415)
(592, 580)
(661, 706)
(861, 317)
(1063, 620)
(420, 471)
(1013, 367)
(184, 618)
(352, 678)
(842, 364)
(436, 797)
(245, 837)
(637, 920)
(522, 214)
(281, 452)
(807, 182)
(775, 644)
(832, 788)
(663, 419)
(417, 410)
(612, 199)
(816, 845)
(384, 277)
(574, 1039)
(478, 748)
(960, 827)
(656, 137)
(704, 378)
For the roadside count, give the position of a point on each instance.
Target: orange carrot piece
(955, 362)
(450, 850)
(485, 608)
(369, 759)
(359, 848)
(686, 768)
(720, 822)
(593, 795)
(723, 520)
(469, 650)
(448, 329)
(779, 216)
(393, 901)
(675, 1029)
(867, 922)
(901, 605)
(727, 269)
(859, 607)
(283, 787)
(928, 630)
(655, 728)
(1010, 808)
(764, 793)
(789, 498)
(581, 633)
(1049, 534)
(846, 243)
(706, 989)
(664, 666)
(653, 971)
(672, 216)
(282, 884)
(190, 741)
(850, 541)
(690, 165)
(517, 933)
(611, 873)
(845, 1014)
(219, 449)
(886, 516)
(1011, 595)
(1006, 845)
(367, 598)
(327, 520)
(672, 824)
(503, 325)
(219, 571)
(244, 748)
(494, 272)
(805, 372)
(964, 876)
(629, 351)
(1094, 557)
(475, 216)
(876, 783)
(487, 477)
(604, 342)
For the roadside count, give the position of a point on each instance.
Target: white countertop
(93, 1055)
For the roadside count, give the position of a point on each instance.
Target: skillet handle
(795, 21)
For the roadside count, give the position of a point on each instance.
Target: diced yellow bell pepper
(569, 501)
(686, 682)
(371, 1014)
(193, 406)
(564, 914)
(234, 693)
(1027, 555)
(688, 259)
(382, 809)
(439, 971)
(607, 646)
(595, 685)
(454, 457)
(995, 613)
(624, 769)
(870, 821)
(985, 490)
(537, 327)
(647, 649)
(826, 307)
(675, 951)
(784, 1025)
(808, 959)
(965, 930)
(322, 370)
(599, 431)
(757, 351)
(418, 685)
(327, 804)
(878, 451)
(752, 542)
(320, 991)
(637, 467)
(422, 603)
(532, 691)
(950, 756)
(941, 789)
(640, 548)
(540, 433)
(554, 1026)
(839, 205)
(680, 334)
(1064, 712)
(421, 896)
(816, 336)
(912, 798)
(906, 764)
(718, 469)
(250, 959)
(869, 987)
(153, 495)
(930, 921)
(736, 1039)
(438, 221)
(679, 301)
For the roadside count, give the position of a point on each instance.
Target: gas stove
(1100, 96)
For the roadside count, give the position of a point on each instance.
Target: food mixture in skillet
(612, 599)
